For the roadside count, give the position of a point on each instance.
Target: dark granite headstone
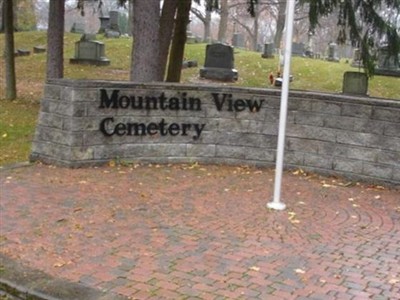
(104, 23)
(268, 51)
(113, 31)
(219, 63)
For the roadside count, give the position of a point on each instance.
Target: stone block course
(386, 114)
(356, 110)
(345, 135)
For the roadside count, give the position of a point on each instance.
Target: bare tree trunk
(130, 17)
(166, 30)
(207, 27)
(178, 42)
(255, 28)
(280, 23)
(145, 50)
(11, 87)
(223, 23)
(1, 16)
(55, 40)
(15, 14)
(206, 19)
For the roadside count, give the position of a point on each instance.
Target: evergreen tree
(363, 23)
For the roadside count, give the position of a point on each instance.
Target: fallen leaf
(325, 185)
(195, 165)
(59, 264)
(348, 184)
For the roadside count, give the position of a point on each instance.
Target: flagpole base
(276, 205)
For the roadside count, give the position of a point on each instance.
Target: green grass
(18, 118)
(17, 126)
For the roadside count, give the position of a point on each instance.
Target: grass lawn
(18, 118)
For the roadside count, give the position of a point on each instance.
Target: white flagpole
(276, 202)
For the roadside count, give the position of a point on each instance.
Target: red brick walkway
(203, 232)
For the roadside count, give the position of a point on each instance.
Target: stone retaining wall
(92, 122)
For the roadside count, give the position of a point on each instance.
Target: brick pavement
(203, 232)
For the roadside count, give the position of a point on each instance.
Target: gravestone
(22, 52)
(309, 48)
(113, 31)
(190, 37)
(355, 83)
(269, 49)
(89, 51)
(219, 63)
(356, 62)
(189, 64)
(333, 52)
(39, 49)
(387, 64)
(238, 40)
(298, 49)
(309, 53)
(78, 27)
(104, 23)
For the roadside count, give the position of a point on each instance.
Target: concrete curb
(21, 282)
(15, 165)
